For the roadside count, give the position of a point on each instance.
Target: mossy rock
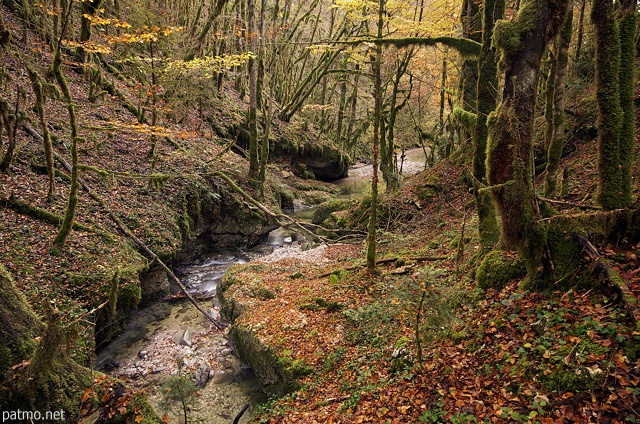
(277, 374)
(497, 268)
(325, 209)
(285, 198)
(262, 293)
(239, 276)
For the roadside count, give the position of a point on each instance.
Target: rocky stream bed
(173, 338)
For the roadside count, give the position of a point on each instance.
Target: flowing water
(358, 182)
(171, 338)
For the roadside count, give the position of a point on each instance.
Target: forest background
(179, 125)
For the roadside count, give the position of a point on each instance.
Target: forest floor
(417, 342)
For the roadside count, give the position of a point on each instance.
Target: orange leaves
(88, 46)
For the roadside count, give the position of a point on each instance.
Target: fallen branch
(236, 420)
(570, 204)
(26, 208)
(390, 260)
(613, 284)
(283, 220)
(144, 249)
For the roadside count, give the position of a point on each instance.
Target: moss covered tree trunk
(50, 380)
(487, 92)
(522, 43)
(372, 237)
(46, 138)
(20, 325)
(609, 110)
(254, 160)
(471, 18)
(615, 77)
(72, 202)
(628, 28)
(555, 105)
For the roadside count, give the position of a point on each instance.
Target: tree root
(612, 283)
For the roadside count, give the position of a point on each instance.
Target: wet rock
(221, 377)
(107, 365)
(154, 285)
(198, 369)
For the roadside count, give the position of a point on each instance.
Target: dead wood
(612, 283)
(142, 247)
(570, 204)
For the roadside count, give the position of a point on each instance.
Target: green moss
(569, 379)
(465, 118)
(262, 293)
(329, 305)
(129, 297)
(310, 307)
(508, 35)
(496, 269)
(325, 209)
(277, 373)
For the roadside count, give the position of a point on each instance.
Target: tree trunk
(50, 380)
(472, 29)
(372, 241)
(20, 325)
(522, 43)
(72, 201)
(48, 149)
(487, 100)
(628, 27)
(205, 30)
(88, 8)
(556, 137)
(609, 110)
(253, 97)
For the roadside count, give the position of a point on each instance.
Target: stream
(172, 337)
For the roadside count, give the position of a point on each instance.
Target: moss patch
(497, 268)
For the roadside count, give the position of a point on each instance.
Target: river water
(170, 338)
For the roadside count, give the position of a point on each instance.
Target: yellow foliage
(88, 46)
(208, 66)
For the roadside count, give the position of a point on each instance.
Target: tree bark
(254, 160)
(72, 201)
(20, 325)
(555, 131)
(522, 43)
(47, 379)
(628, 28)
(372, 241)
(487, 92)
(609, 110)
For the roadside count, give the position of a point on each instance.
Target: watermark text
(20, 416)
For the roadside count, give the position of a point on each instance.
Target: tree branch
(464, 46)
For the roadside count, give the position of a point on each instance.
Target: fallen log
(613, 284)
(142, 247)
